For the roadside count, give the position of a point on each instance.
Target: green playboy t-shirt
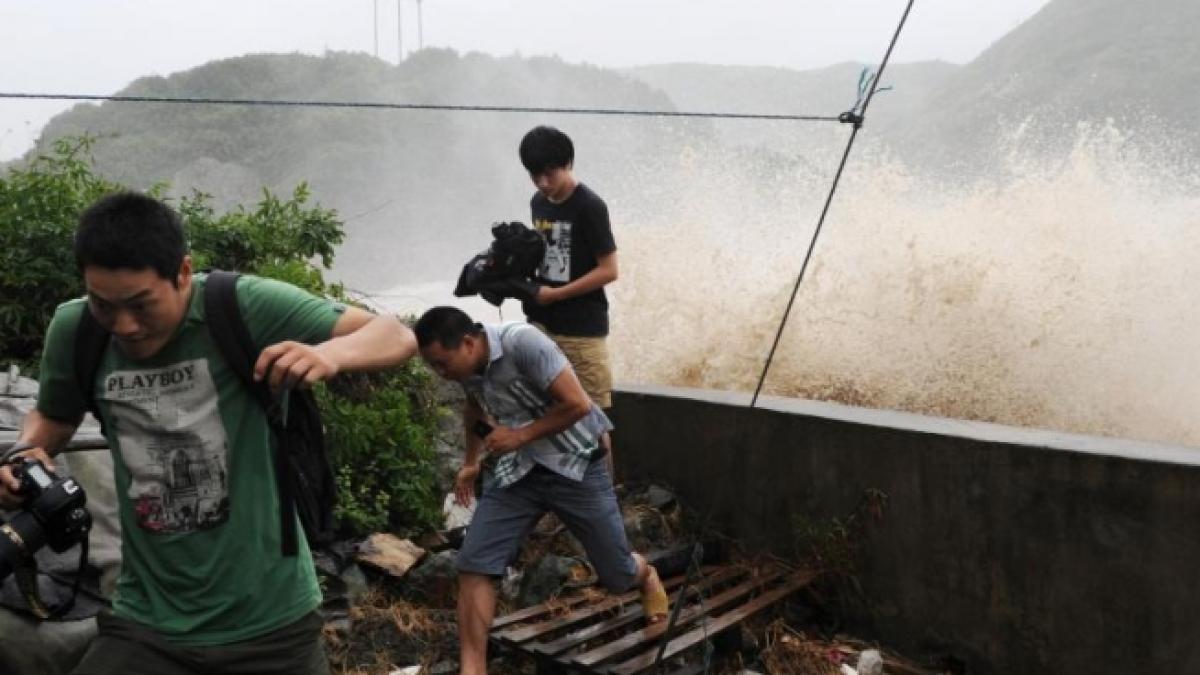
(199, 509)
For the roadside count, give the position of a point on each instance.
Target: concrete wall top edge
(942, 426)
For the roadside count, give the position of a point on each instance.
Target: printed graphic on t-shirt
(556, 266)
(174, 445)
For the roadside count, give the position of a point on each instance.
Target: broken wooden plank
(710, 628)
(530, 613)
(627, 616)
(536, 611)
(651, 634)
(519, 634)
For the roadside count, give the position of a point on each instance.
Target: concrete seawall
(1013, 550)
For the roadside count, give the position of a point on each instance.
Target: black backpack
(302, 470)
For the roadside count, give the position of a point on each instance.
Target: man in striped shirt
(525, 405)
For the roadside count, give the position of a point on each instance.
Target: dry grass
(388, 633)
(790, 652)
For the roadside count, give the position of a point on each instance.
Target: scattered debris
(436, 542)
(870, 662)
(390, 554)
(457, 515)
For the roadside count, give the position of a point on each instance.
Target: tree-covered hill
(1101, 62)
(405, 180)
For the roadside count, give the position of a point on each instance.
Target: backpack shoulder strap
(223, 317)
(228, 329)
(91, 341)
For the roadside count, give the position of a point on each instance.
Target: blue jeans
(588, 507)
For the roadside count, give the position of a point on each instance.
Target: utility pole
(399, 33)
(375, 4)
(420, 28)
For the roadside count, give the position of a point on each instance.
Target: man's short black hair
(128, 230)
(446, 326)
(545, 148)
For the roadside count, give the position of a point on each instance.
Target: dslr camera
(54, 513)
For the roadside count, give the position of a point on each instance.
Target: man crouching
(546, 432)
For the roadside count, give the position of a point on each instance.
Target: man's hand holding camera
(10, 486)
(547, 295)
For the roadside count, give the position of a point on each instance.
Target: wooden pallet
(609, 635)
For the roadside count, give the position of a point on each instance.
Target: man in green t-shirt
(204, 586)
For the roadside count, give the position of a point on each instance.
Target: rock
(15, 386)
(342, 626)
(870, 662)
(356, 582)
(29, 647)
(510, 585)
(389, 553)
(544, 579)
(659, 498)
(440, 540)
(644, 527)
(434, 580)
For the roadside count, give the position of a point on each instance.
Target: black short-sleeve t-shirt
(577, 233)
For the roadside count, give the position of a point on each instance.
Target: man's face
(555, 184)
(455, 364)
(140, 308)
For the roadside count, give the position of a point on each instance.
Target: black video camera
(505, 269)
(54, 513)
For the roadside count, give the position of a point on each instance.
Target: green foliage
(39, 205)
(382, 429)
(277, 239)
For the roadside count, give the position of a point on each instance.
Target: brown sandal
(655, 604)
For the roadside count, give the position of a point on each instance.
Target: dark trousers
(129, 648)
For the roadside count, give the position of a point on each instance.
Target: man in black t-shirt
(581, 259)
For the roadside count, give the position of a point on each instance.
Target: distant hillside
(761, 89)
(1099, 62)
(1076, 60)
(428, 180)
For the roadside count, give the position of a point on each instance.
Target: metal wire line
(383, 105)
(856, 117)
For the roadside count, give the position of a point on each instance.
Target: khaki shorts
(589, 358)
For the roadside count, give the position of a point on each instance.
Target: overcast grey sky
(91, 47)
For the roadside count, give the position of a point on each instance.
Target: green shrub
(382, 429)
(39, 205)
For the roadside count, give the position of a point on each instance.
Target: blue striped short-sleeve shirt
(522, 363)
